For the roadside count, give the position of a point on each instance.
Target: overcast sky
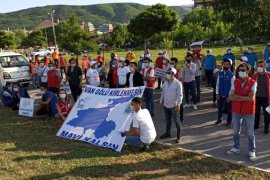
(14, 5)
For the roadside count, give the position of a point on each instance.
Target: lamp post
(54, 36)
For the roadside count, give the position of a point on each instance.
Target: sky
(14, 5)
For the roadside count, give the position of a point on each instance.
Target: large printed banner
(100, 115)
(160, 73)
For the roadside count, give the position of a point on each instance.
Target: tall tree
(7, 40)
(36, 38)
(155, 19)
(119, 35)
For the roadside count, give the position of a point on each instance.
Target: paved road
(200, 135)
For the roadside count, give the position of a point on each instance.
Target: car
(14, 67)
(41, 52)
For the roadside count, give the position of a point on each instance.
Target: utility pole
(54, 36)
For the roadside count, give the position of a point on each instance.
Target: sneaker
(233, 151)
(177, 140)
(218, 122)
(186, 106)
(195, 107)
(252, 156)
(144, 148)
(165, 135)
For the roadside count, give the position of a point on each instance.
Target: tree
(220, 31)
(7, 40)
(119, 35)
(155, 19)
(20, 36)
(35, 39)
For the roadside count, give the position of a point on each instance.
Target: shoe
(165, 135)
(252, 156)
(229, 125)
(177, 140)
(144, 148)
(195, 107)
(266, 132)
(218, 122)
(233, 151)
(214, 105)
(186, 106)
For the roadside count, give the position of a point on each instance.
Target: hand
(177, 109)
(228, 99)
(161, 104)
(217, 97)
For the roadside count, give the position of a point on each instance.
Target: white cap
(229, 48)
(85, 52)
(122, 59)
(250, 47)
(147, 56)
(142, 56)
(243, 58)
(216, 70)
(167, 57)
(160, 53)
(173, 70)
(92, 63)
(209, 50)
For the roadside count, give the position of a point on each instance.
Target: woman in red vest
(242, 96)
(54, 79)
(63, 105)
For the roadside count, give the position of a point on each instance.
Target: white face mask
(249, 51)
(259, 69)
(10, 88)
(15, 89)
(72, 65)
(168, 76)
(113, 65)
(51, 68)
(62, 96)
(146, 64)
(229, 52)
(42, 64)
(131, 69)
(171, 66)
(242, 74)
(119, 65)
(164, 62)
(132, 108)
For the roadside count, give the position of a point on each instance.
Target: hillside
(97, 14)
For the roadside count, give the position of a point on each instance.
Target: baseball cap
(243, 58)
(92, 63)
(173, 70)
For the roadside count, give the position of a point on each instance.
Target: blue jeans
(237, 121)
(169, 114)
(190, 87)
(149, 101)
(134, 141)
(34, 81)
(221, 103)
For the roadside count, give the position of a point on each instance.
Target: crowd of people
(238, 91)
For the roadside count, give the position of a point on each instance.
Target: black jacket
(137, 79)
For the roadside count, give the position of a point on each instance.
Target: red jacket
(150, 83)
(243, 107)
(255, 76)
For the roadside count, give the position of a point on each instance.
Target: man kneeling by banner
(142, 132)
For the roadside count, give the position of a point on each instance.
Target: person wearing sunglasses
(242, 95)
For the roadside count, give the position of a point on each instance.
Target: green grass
(29, 149)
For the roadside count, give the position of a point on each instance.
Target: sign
(26, 107)
(198, 43)
(160, 73)
(100, 115)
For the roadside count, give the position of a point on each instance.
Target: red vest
(267, 82)
(150, 83)
(64, 108)
(243, 107)
(52, 79)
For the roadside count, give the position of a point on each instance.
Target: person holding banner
(92, 75)
(19, 92)
(170, 100)
(134, 78)
(122, 72)
(142, 132)
(8, 98)
(149, 83)
(63, 105)
(47, 103)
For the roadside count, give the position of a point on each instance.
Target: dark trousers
(56, 62)
(198, 88)
(85, 71)
(209, 76)
(169, 114)
(262, 102)
(214, 95)
(75, 92)
(149, 101)
(61, 70)
(159, 82)
(221, 104)
(190, 87)
(121, 86)
(181, 113)
(44, 110)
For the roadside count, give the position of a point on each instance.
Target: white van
(14, 67)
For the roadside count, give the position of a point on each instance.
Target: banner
(160, 73)
(100, 115)
(26, 107)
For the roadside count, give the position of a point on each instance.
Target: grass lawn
(29, 149)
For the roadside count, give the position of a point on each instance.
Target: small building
(105, 28)
(90, 27)
(204, 3)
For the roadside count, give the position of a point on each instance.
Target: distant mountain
(97, 14)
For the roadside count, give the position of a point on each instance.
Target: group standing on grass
(238, 91)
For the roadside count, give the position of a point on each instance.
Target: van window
(13, 61)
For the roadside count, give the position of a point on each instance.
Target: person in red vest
(54, 79)
(47, 60)
(149, 82)
(63, 105)
(242, 96)
(85, 63)
(159, 65)
(100, 58)
(34, 71)
(62, 64)
(262, 78)
(112, 75)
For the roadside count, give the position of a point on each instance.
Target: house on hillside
(46, 24)
(87, 26)
(105, 28)
(204, 3)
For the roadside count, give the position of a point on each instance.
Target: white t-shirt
(142, 120)
(43, 73)
(122, 75)
(131, 80)
(93, 77)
